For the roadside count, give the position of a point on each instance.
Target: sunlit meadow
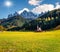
(30, 41)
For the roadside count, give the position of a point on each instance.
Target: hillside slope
(13, 22)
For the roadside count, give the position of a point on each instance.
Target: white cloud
(45, 7)
(57, 5)
(34, 2)
(23, 10)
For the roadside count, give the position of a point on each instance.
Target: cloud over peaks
(45, 7)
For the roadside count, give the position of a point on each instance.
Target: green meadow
(48, 41)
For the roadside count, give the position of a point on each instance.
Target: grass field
(30, 41)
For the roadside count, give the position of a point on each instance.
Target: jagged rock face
(27, 14)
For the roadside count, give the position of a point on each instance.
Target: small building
(39, 29)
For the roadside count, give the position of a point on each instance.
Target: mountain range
(28, 21)
(49, 20)
(17, 19)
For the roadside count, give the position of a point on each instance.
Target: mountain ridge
(49, 20)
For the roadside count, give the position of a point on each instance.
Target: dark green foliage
(55, 14)
(53, 20)
(14, 29)
(15, 21)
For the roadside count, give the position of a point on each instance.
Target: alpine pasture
(30, 41)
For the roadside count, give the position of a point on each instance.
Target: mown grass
(30, 41)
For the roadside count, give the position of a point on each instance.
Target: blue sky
(32, 5)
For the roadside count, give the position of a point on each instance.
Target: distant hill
(14, 21)
(17, 20)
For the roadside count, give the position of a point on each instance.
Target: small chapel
(39, 29)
